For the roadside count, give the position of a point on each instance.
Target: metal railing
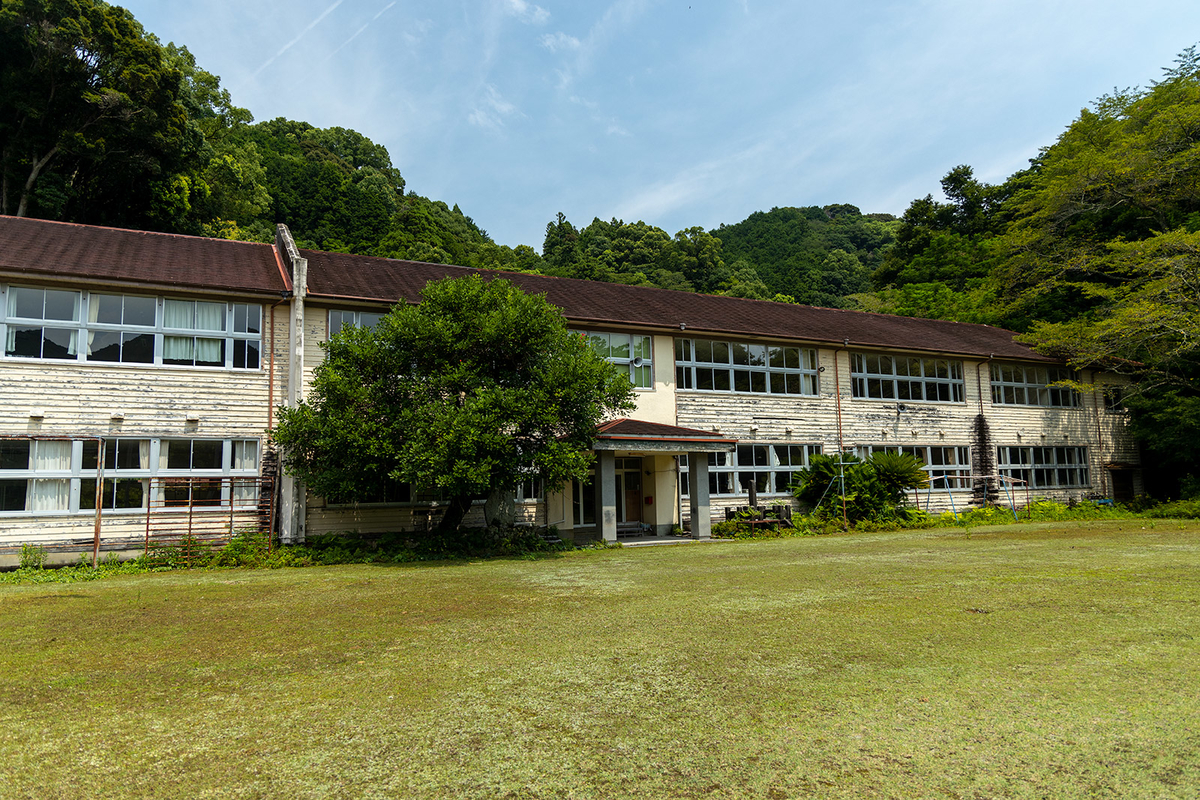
(190, 517)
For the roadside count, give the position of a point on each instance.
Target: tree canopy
(468, 393)
(1093, 251)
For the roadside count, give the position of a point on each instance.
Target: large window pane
(13, 494)
(14, 453)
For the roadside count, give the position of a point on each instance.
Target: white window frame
(338, 318)
(745, 368)
(240, 457)
(897, 378)
(85, 326)
(762, 460)
(949, 466)
(1029, 385)
(1048, 467)
(631, 353)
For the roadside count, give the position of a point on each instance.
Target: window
(1046, 467)
(1114, 399)
(529, 489)
(204, 462)
(126, 474)
(630, 353)
(768, 466)
(948, 467)
(35, 475)
(388, 493)
(881, 377)
(361, 319)
(42, 323)
(1014, 384)
(130, 329)
(59, 475)
(713, 366)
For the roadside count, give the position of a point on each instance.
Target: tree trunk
(458, 508)
(33, 176)
(500, 510)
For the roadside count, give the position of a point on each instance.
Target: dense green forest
(1092, 252)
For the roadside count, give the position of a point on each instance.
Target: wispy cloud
(299, 36)
(527, 12)
(360, 30)
(559, 42)
(692, 184)
(492, 110)
(418, 31)
(615, 18)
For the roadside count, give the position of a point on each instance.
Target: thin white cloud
(527, 12)
(419, 30)
(693, 184)
(360, 30)
(615, 18)
(560, 42)
(299, 36)
(491, 111)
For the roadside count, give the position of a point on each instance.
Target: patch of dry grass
(1032, 661)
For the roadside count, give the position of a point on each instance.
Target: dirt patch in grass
(1059, 661)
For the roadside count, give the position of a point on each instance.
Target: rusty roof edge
(131, 283)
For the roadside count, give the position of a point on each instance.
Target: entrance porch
(635, 489)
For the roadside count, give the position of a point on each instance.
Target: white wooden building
(140, 373)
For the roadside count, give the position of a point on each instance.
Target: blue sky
(679, 112)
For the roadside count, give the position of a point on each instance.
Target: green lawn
(1034, 661)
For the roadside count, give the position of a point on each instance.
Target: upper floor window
(361, 319)
(129, 329)
(1114, 399)
(715, 366)
(882, 377)
(630, 353)
(1015, 384)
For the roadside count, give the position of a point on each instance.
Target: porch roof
(656, 437)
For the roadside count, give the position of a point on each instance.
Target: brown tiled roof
(86, 252)
(638, 429)
(591, 303)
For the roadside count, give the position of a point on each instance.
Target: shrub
(867, 490)
(32, 557)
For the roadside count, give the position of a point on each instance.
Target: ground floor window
(948, 467)
(768, 467)
(59, 476)
(1046, 467)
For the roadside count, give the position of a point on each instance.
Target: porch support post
(698, 497)
(606, 494)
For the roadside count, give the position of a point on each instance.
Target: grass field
(1034, 661)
